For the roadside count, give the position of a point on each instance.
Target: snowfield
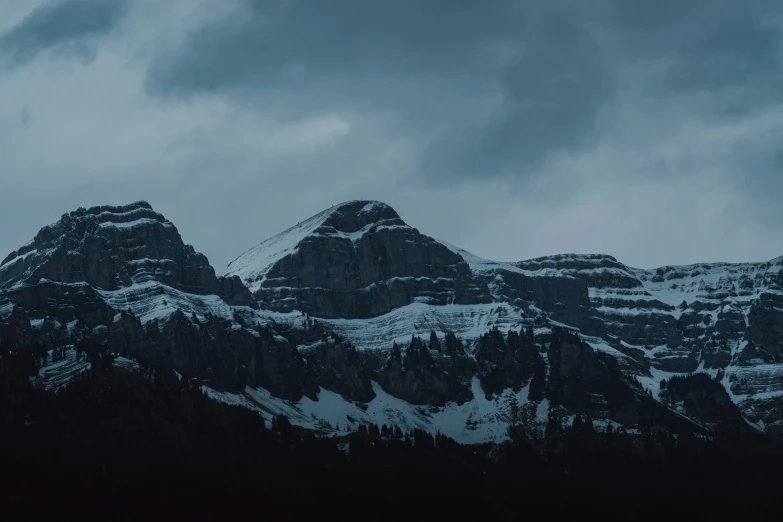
(468, 322)
(476, 421)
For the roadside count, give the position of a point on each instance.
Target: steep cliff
(354, 316)
(355, 260)
(116, 251)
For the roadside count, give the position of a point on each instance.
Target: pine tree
(281, 424)
(395, 353)
(434, 342)
(589, 428)
(530, 336)
(538, 381)
(552, 427)
(515, 341)
(453, 345)
(610, 435)
(578, 425)
(514, 416)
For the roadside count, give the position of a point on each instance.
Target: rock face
(111, 273)
(110, 248)
(612, 290)
(562, 296)
(353, 311)
(356, 260)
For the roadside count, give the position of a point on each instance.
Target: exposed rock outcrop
(122, 279)
(356, 260)
(110, 248)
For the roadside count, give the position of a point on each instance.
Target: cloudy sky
(650, 131)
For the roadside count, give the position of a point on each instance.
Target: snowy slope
(732, 282)
(646, 327)
(129, 257)
(468, 322)
(152, 300)
(476, 421)
(669, 314)
(253, 265)
(479, 264)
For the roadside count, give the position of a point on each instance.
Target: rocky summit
(355, 260)
(353, 316)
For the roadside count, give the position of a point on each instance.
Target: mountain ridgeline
(354, 317)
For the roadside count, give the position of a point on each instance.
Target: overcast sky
(650, 131)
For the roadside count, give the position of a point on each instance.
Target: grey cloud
(649, 15)
(759, 177)
(740, 56)
(66, 25)
(552, 95)
(727, 53)
(552, 81)
(267, 42)
(738, 60)
(535, 127)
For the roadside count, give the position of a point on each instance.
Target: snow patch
(468, 322)
(476, 421)
(132, 224)
(253, 265)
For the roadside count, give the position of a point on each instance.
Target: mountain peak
(571, 261)
(355, 259)
(349, 220)
(361, 205)
(119, 209)
(75, 222)
(109, 247)
(353, 216)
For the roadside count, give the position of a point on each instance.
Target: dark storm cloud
(66, 25)
(724, 50)
(551, 97)
(262, 42)
(737, 60)
(547, 70)
(552, 79)
(649, 130)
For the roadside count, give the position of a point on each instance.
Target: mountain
(354, 261)
(123, 277)
(122, 256)
(353, 316)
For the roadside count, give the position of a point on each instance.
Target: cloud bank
(645, 130)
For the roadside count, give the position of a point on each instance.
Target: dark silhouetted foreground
(119, 444)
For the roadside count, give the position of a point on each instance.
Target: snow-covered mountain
(127, 257)
(355, 260)
(323, 322)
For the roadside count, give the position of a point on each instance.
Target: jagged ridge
(357, 259)
(371, 280)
